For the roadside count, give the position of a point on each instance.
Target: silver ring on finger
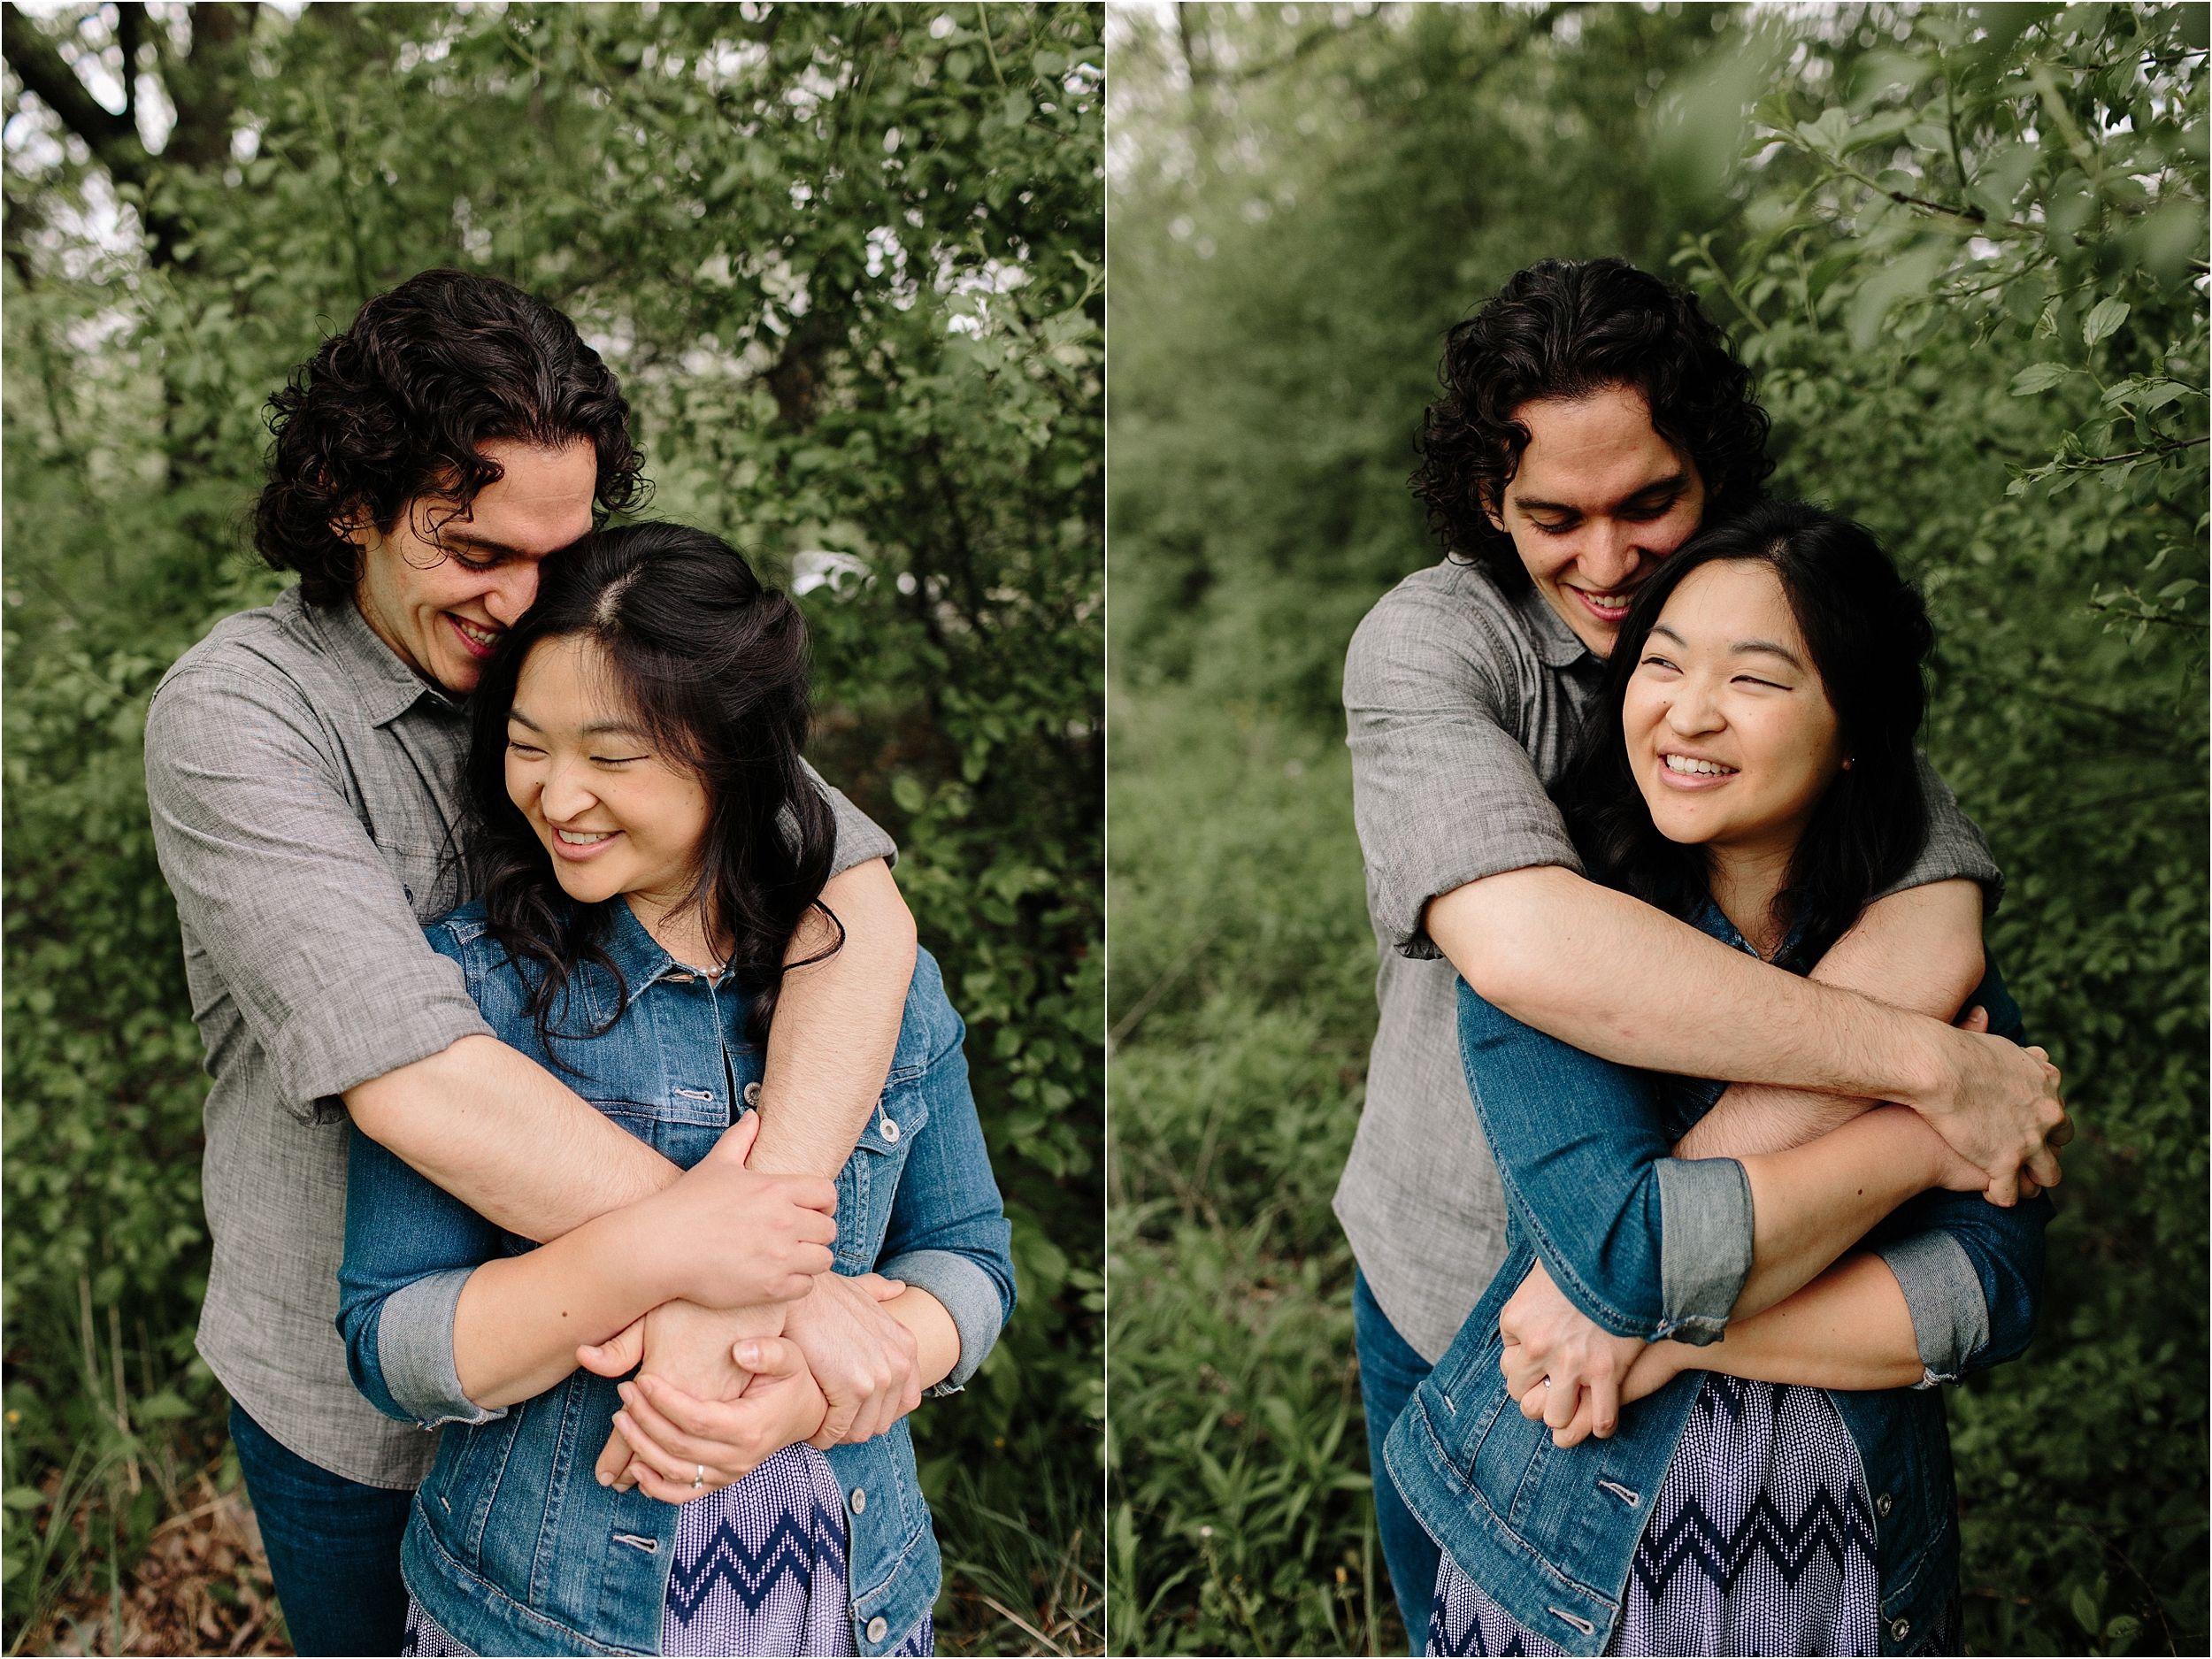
(699, 1480)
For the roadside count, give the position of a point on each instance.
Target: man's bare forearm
(508, 1139)
(1615, 978)
(836, 1026)
(1920, 951)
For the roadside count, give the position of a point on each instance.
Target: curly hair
(393, 410)
(1566, 328)
(713, 666)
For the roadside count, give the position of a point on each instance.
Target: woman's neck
(1744, 882)
(681, 929)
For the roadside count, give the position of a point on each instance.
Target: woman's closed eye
(524, 751)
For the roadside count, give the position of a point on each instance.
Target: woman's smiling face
(1730, 732)
(614, 815)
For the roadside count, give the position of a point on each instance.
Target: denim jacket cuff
(966, 1292)
(1704, 1246)
(414, 1348)
(1950, 1312)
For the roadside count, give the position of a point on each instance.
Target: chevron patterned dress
(1760, 1542)
(759, 1568)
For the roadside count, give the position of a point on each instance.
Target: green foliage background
(847, 261)
(1962, 247)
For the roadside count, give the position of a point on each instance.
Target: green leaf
(1875, 130)
(2084, 1611)
(1829, 133)
(2038, 377)
(23, 1498)
(2103, 320)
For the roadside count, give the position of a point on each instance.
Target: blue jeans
(1389, 1371)
(332, 1544)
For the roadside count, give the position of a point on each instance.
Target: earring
(1848, 760)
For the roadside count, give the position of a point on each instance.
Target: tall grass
(1242, 1006)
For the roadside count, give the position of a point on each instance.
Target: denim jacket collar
(638, 957)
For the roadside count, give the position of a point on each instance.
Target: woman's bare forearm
(936, 1338)
(521, 1319)
(1849, 1328)
(1810, 1204)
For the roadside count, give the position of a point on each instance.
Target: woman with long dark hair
(650, 848)
(1779, 1478)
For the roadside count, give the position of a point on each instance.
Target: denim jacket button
(890, 1131)
(1882, 1507)
(877, 1629)
(1900, 1628)
(752, 1094)
(860, 1501)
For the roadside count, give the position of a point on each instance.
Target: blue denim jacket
(512, 1546)
(1649, 1246)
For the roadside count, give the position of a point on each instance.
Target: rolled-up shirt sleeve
(278, 878)
(1443, 790)
(1644, 1244)
(1954, 849)
(859, 838)
(410, 1249)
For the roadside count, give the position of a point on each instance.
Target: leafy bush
(1950, 241)
(847, 263)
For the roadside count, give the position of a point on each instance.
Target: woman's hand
(682, 1447)
(739, 1237)
(1560, 1364)
(687, 1346)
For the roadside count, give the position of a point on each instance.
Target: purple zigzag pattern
(1472, 1641)
(1826, 1528)
(790, 1548)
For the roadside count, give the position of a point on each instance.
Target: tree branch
(112, 138)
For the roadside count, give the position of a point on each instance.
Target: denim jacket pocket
(870, 1180)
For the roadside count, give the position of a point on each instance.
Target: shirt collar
(387, 687)
(1557, 645)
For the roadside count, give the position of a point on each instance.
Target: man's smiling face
(440, 590)
(1599, 500)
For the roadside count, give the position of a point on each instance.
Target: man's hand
(683, 1448)
(1559, 1365)
(742, 1237)
(2002, 1113)
(864, 1361)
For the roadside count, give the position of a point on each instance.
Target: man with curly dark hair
(303, 765)
(1592, 416)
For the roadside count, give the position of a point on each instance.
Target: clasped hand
(1568, 1370)
(722, 1388)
